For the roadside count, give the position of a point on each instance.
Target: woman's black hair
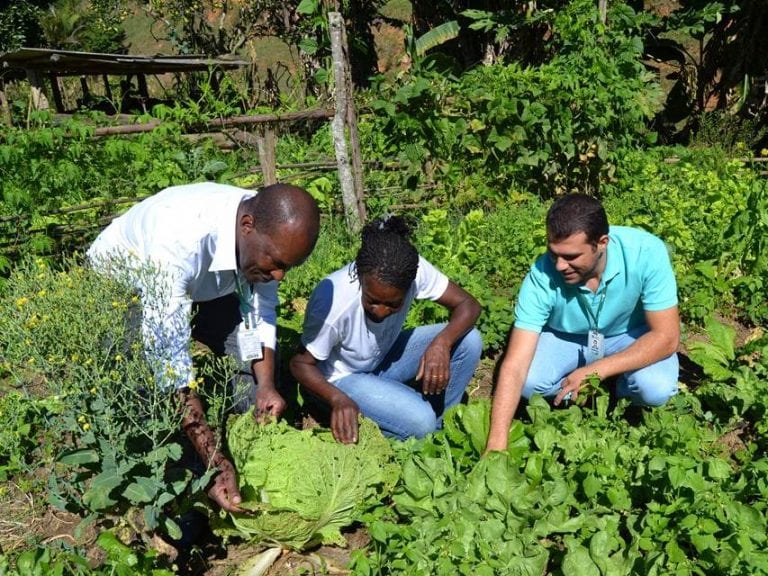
(386, 252)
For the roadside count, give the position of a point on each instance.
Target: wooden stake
(351, 197)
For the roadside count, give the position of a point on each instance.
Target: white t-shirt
(186, 234)
(340, 336)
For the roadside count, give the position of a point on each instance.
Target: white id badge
(248, 344)
(595, 346)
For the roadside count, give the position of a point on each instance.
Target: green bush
(555, 127)
(711, 211)
(70, 338)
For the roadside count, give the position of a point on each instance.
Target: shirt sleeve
(165, 325)
(659, 289)
(264, 304)
(535, 300)
(431, 284)
(319, 334)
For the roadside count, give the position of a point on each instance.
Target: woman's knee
(471, 344)
(414, 424)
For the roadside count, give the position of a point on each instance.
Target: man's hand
(268, 402)
(224, 489)
(344, 415)
(573, 382)
(435, 368)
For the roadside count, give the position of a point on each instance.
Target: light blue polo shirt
(638, 277)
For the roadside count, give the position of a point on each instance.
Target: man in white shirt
(218, 245)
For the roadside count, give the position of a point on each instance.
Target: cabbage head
(301, 486)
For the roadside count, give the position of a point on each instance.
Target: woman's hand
(344, 415)
(435, 368)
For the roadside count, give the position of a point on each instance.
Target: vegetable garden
(93, 472)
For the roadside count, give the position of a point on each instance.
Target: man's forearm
(264, 369)
(506, 399)
(196, 428)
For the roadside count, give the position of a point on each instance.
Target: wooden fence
(229, 133)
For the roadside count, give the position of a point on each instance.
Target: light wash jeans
(392, 398)
(558, 354)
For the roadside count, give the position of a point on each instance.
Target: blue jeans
(392, 398)
(558, 354)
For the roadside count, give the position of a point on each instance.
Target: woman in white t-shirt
(357, 358)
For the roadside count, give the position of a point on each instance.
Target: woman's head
(386, 266)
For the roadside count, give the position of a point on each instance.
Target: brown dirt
(28, 518)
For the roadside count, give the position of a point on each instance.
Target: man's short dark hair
(576, 213)
(280, 204)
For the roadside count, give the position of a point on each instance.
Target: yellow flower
(81, 419)
(42, 293)
(20, 302)
(118, 358)
(86, 426)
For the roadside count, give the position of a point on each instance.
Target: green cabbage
(301, 486)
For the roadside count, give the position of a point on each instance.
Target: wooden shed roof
(68, 63)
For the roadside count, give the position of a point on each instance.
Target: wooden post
(602, 6)
(351, 184)
(5, 108)
(266, 141)
(39, 100)
(107, 88)
(56, 91)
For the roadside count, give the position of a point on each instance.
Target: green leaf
(172, 528)
(307, 7)
(577, 561)
(592, 486)
(79, 457)
(437, 36)
(98, 496)
(719, 469)
(142, 490)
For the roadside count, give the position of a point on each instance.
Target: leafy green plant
(74, 334)
(23, 436)
(120, 561)
(301, 487)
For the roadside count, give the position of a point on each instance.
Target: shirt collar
(612, 265)
(225, 256)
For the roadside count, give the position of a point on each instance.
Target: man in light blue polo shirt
(602, 301)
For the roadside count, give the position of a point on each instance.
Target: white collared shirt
(187, 233)
(339, 335)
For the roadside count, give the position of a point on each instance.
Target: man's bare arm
(509, 387)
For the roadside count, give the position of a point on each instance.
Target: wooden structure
(36, 65)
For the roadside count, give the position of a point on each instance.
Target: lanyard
(591, 316)
(246, 311)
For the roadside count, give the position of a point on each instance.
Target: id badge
(595, 346)
(248, 344)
